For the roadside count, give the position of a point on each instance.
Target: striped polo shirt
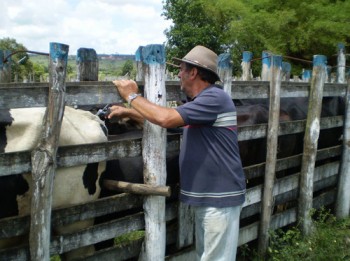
(210, 166)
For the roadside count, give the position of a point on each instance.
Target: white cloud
(108, 26)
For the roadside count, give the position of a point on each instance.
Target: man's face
(184, 76)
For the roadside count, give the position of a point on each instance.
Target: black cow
(297, 109)
(254, 151)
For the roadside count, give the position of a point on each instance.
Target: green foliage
(330, 241)
(22, 68)
(294, 28)
(110, 69)
(193, 25)
(129, 237)
(128, 69)
(55, 258)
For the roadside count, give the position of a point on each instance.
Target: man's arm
(123, 112)
(159, 115)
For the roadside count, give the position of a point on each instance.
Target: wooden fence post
(2, 66)
(312, 132)
(44, 156)
(5, 67)
(286, 69)
(306, 75)
(329, 74)
(266, 63)
(246, 66)
(87, 65)
(343, 197)
(139, 65)
(341, 64)
(154, 154)
(271, 148)
(225, 71)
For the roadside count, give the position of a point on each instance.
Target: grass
(129, 237)
(329, 241)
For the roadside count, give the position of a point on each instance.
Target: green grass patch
(329, 241)
(129, 237)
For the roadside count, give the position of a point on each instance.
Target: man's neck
(199, 87)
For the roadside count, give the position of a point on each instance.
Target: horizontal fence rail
(21, 95)
(80, 94)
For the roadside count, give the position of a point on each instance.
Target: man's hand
(122, 112)
(126, 87)
(118, 111)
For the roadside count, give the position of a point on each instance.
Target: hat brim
(195, 64)
(174, 65)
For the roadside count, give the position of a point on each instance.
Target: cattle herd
(20, 130)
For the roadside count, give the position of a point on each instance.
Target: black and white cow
(20, 130)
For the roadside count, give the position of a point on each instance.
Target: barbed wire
(252, 60)
(297, 59)
(23, 51)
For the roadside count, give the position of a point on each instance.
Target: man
(211, 174)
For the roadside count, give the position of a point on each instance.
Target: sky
(108, 26)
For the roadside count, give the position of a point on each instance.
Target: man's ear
(193, 73)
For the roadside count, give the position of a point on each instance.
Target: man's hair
(204, 74)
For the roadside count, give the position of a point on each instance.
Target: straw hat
(203, 57)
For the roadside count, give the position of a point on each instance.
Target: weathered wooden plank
(67, 156)
(44, 156)
(118, 253)
(141, 189)
(271, 151)
(18, 95)
(292, 127)
(289, 183)
(225, 71)
(285, 197)
(250, 232)
(127, 250)
(246, 66)
(310, 143)
(341, 63)
(5, 66)
(121, 202)
(266, 66)
(185, 226)
(154, 154)
(15, 226)
(85, 237)
(19, 162)
(87, 64)
(77, 94)
(343, 196)
(89, 236)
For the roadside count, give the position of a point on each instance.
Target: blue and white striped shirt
(210, 166)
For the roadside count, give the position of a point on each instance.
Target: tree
(294, 28)
(298, 28)
(193, 25)
(128, 69)
(20, 63)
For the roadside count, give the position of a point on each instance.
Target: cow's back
(72, 185)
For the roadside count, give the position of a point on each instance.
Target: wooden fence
(329, 179)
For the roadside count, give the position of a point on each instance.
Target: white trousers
(217, 231)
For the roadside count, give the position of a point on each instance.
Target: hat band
(196, 62)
